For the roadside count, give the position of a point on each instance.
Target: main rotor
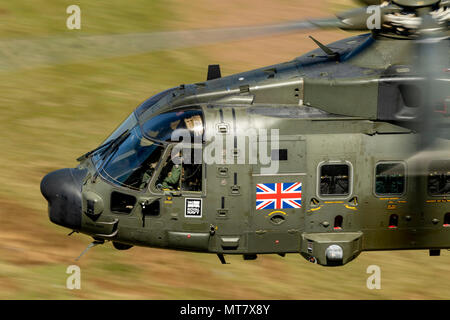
(396, 18)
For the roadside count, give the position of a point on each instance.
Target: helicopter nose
(62, 190)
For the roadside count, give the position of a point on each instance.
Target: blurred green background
(51, 115)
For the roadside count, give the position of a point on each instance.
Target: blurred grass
(51, 115)
(43, 18)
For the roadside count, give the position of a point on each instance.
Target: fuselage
(309, 156)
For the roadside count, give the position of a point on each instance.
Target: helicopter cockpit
(133, 152)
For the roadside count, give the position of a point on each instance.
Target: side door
(333, 206)
(151, 217)
(181, 185)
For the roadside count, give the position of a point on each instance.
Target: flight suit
(146, 178)
(172, 179)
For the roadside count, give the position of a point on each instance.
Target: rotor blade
(20, 54)
(432, 54)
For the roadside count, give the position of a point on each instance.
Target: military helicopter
(342, 150)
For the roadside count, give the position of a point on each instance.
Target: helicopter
(342, 150)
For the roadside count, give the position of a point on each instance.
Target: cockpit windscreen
(133, 162)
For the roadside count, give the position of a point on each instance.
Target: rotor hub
(409, 22)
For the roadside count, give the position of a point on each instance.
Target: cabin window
(439, 178)
(390, 179)
(334, 179)
(122, 203)
(393, 221)
(447, 220)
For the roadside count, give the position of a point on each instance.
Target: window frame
(392, 195)
(350, 180)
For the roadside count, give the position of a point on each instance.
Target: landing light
(334, 253)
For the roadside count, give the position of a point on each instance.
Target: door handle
(144, 204)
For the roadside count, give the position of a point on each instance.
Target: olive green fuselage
(327, 114)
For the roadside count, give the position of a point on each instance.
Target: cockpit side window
(439, 178)
(191, 177)
(149, 167)
(170, 176)
(180, 173)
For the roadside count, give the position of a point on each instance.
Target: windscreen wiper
(110, 142)
(116, 143)
(88, 154)
(113, 148)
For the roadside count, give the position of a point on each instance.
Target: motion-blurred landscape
(51, 114)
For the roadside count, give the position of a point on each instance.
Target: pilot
(173, 178)
(148, 173)
(172, 181)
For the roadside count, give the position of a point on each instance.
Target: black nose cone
(62, 189)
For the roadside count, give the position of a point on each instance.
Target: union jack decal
(286, 195)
